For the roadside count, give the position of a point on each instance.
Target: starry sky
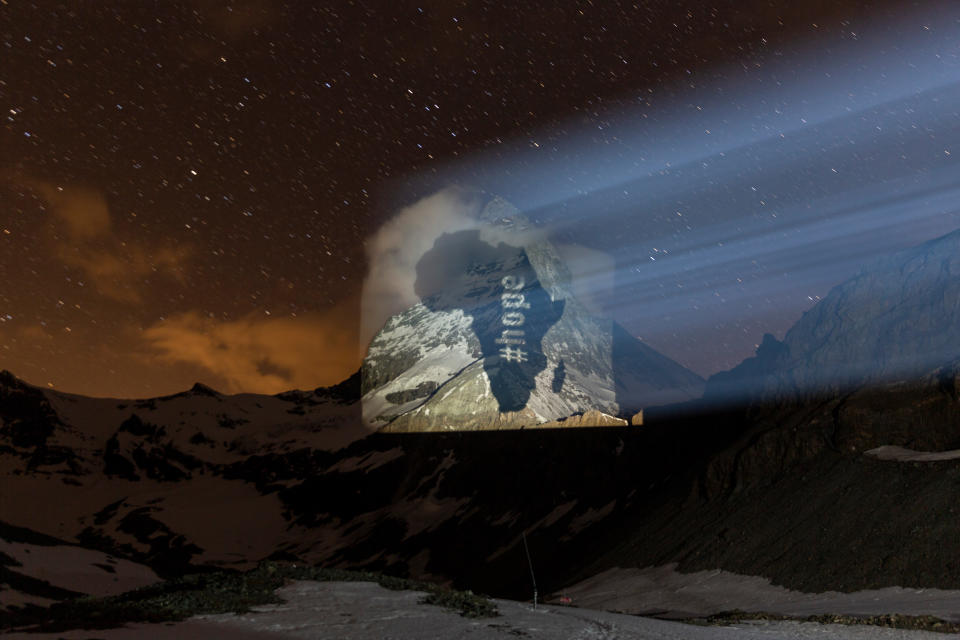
(187, 188)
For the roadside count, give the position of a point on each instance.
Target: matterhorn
(499, 341)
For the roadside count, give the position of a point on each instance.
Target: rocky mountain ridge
(197, 479)
(895, 321)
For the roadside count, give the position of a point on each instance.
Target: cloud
(118, 270)
(82, 211)
(83, 237)
(263, 354)
(33, 333)
(240, 19)
(394, 250)
(232, 23)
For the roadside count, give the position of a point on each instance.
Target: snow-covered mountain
(148, 479)
(498, 340)
(897, 320)
(121, 492)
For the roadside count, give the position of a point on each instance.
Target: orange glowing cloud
(83, 211)
(263, 354)
(83, 237)
(34, 333)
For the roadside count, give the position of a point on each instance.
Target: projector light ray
(730, 207)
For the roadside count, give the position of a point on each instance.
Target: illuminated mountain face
(499, 341)
(498, 289)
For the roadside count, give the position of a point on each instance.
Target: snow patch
(668, 593)
(74, 568)
(901, 454)
(367, 462)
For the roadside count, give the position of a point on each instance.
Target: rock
(636, 419)
(422, 390)
(587, 419)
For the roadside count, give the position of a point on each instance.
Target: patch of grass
(893, 621)
(220, 592)
(466, 603)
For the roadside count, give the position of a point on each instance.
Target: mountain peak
(200, 389)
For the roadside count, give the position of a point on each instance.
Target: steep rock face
(875, 363)
(264, 475)
(140, 447)
(29, 427)
(26, 418)
(148, 478)
(499, 341)
(165, 438)
(589, 419)
(921, 414)
(897, 320)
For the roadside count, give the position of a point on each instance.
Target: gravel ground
(671, 594)
(366, 611)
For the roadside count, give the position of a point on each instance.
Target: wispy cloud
(263, 354)
(83, 237)
(394, 250)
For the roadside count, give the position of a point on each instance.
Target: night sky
(186, 187)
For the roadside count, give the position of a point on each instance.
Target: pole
(533, 578)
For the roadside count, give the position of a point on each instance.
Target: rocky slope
(781, 495)
(793, 494)
(897, 320)
(173, 484)
(499, 341)
(876, 363)
(144, 479)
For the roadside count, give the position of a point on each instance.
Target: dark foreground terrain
(784, 491)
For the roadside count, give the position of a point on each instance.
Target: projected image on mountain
(500, 330)
(612, 317)
(509, 310)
